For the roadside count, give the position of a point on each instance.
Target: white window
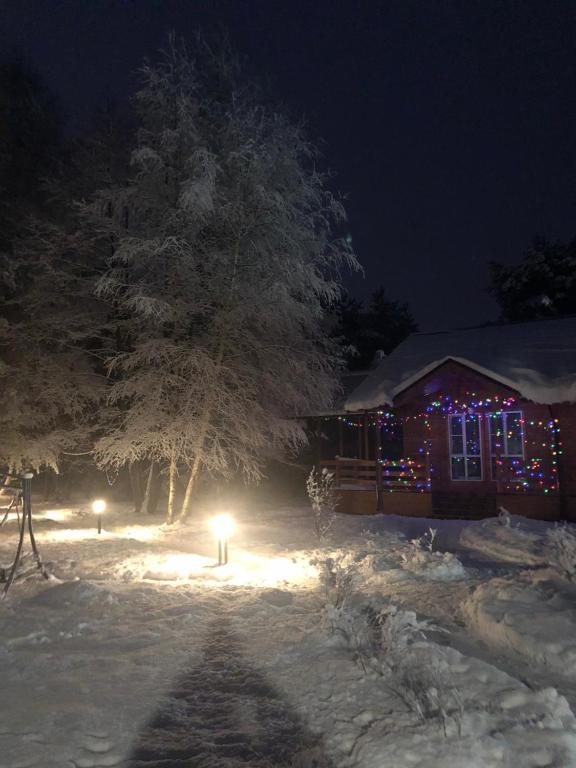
(465, 447)
(507, 434)
(507, 445)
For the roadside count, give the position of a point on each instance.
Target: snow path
(223, 711)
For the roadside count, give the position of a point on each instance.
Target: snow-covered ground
(140, 652)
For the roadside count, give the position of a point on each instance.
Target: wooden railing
(405, 475)
(402, 475)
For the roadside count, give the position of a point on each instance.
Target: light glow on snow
(57, 515)
(138, 532)
(247, 570)
(72, 534)
(142, 533)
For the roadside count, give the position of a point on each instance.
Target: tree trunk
(198, 453)
(209, 403)
(135, 475)
(190, 486)
(147, 493)
(171, 491)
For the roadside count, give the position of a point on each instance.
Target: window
(506, 434)
(507, 445)
(465, 447)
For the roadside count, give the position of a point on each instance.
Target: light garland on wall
(523, 473)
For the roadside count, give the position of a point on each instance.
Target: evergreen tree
(54, 331)
(364, 329)
(388, 323)
(542, 285)
(51, 339)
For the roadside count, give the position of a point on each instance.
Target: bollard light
(99, 507)
(222, 526)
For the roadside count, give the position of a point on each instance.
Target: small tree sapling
(324, 500)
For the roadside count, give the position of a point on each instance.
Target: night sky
(450, 126)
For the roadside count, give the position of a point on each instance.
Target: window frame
(464, 455)
(504, 453)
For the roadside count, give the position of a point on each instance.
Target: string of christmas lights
(526, 472)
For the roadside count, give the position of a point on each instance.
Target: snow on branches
(324, 500)
(224, 263)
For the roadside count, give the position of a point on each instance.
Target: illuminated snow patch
(245, 569)
(74, 534)
(56, 515)
(134, 532)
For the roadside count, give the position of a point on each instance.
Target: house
(460, 423)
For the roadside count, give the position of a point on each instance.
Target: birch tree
(225, 260)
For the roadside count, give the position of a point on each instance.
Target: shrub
(422, 685)
(504, 517)
(385, 642)
(324, 500)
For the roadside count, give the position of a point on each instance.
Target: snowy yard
(139, 652)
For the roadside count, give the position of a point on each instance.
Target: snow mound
(494, 721)
(433, 566)
(72, 593)
(512, 544)
(533, 616)
(392, 558)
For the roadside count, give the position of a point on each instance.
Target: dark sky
(450, 125)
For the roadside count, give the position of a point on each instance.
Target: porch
(405, 487)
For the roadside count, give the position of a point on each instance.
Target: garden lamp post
(99, 507)
(222, 526)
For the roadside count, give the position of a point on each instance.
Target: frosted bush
(423, 544)
(561, 550)
(324, 499)
(388, 642)
(504, 517)
(340, 577)
(423, 686)
(423, 561)
(391, 632)
(427, 540)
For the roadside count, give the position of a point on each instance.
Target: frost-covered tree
(55, 333)
(50, 342)
(49, 384)
(224, 261)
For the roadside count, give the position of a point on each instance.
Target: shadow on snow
(223, 712)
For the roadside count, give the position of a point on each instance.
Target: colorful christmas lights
(536, 469)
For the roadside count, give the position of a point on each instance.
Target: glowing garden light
(99, 507)
(222, 526)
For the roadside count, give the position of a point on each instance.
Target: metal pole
(225, 551)
(26, 479)
(99, 523)
(28, 503)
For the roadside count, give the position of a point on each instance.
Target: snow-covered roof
(537, 359)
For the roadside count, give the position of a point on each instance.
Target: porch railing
(401, 475)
